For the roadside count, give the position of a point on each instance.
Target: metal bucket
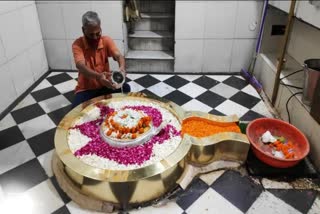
(312, 75)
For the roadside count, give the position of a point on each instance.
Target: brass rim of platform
(160, 177)
(67, 157)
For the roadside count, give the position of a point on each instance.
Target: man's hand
(105, 79)
(123, 70)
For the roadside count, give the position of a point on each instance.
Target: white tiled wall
(111, 16)
(190, 19)
(220, 24)
(70, 54)
(72, 14)
(61, 25)
(22, 55)
(32, 31)
(38, 60)
(8, 6)
(8, 92)
(217, 55)
(225, 31)
(191, 60)
(20, 68)
(57, 54)
(242, 53)
(248, 19)
(11, 36)
(51, 21)
(3, 57)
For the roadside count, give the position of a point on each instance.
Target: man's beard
(93, 42)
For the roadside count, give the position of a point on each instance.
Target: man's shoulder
(105, 37)
(78, 42)
(107, 40)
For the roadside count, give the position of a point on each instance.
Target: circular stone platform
(103, 187)
(120, 187)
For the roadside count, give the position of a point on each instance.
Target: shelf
(304, 11)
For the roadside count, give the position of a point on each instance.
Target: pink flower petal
(127, 155)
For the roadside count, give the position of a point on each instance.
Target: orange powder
(200, 127)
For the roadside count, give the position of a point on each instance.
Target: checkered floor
(27, 144)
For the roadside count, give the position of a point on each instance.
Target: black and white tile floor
(27, 184)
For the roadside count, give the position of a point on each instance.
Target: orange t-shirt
(97, 60)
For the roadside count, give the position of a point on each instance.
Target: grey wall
(215, 36)
(22, 54)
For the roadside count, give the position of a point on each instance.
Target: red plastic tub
(257, 127)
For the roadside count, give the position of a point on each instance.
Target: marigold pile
(200, 127)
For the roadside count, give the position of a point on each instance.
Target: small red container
(257, 127)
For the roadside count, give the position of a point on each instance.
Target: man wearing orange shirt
(91, 53)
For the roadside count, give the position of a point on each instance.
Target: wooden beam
(283, 51)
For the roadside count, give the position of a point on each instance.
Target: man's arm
(121, 61)
(103, 78)
(87, 72)
(79, 59)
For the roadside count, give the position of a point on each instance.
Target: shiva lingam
(104, 170)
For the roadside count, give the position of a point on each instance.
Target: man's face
(92, 34)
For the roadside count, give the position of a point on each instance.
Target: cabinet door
(309, 13)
